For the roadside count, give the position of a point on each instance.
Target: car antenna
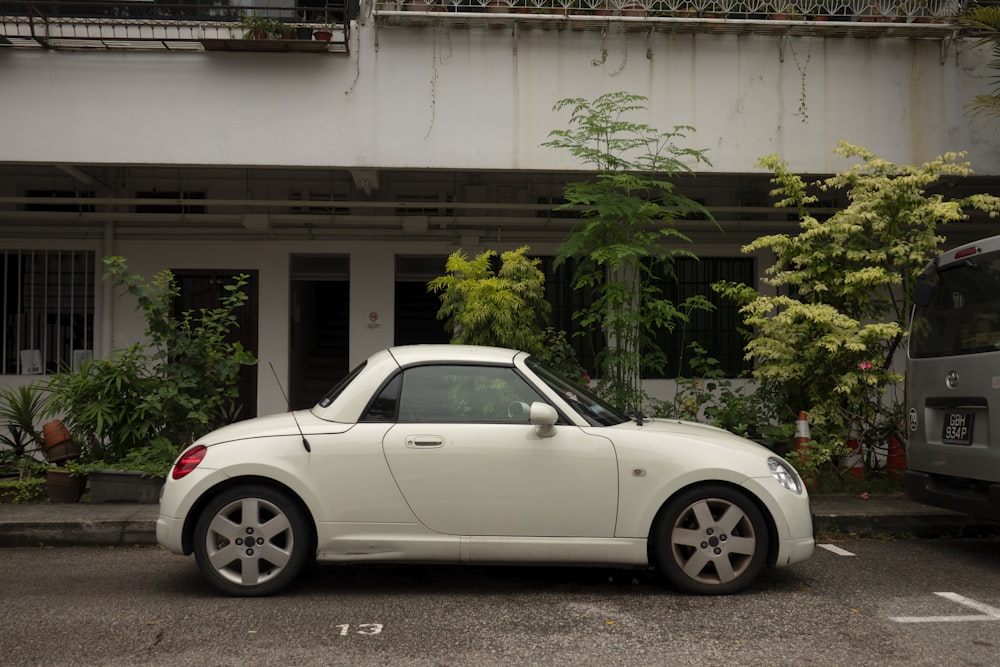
(305, 443)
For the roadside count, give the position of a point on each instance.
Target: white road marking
(835, 549)
(989, 613)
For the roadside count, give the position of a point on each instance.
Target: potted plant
(65, 483)
(20, 409)
(317, 26)
(24, 484)
(102, 403)
(262, 27)
(105, 408)
(133, 411)
(137, 477)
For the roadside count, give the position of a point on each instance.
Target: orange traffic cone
(802, 437)
(895, 465)
(802, 431)
(853, 463)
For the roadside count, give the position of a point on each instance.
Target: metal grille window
(719, 330)
(47, 304)
(170, 208)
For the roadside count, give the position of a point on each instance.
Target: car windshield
(592, 408)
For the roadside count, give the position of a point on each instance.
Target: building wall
(372, 279)
(460, 98)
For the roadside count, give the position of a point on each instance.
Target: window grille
(170, 208)
(47, 304)
(718, 331)
(432, 208)
(43, 205)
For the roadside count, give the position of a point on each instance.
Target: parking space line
(835, 549)
(989, 613)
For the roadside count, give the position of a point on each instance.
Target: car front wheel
(711, 540)
(251, 540)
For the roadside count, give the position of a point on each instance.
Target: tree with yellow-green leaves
(483, 306)
(828, 342)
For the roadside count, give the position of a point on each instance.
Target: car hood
(300, 422)
(688, 431)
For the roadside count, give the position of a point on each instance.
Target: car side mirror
(543, 417)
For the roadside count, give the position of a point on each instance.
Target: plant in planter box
(22, 491)
(178, 384)
(194, 364)
(262, 27)
(21, 408)
(26, 484)
(65, 483)
(137, 477)
(102, 403)
(152, 461)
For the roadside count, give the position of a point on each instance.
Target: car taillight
(188, 461)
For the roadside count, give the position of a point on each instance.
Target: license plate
(957, 429)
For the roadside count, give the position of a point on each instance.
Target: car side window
(383, 406)
(456, 393)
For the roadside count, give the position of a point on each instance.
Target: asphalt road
(883, 605)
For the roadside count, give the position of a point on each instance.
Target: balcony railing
(838, 18)
(214, 25)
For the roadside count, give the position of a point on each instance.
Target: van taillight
(188, 461)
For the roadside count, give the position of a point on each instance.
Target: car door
(468, 462)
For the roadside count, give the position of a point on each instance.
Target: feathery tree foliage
(984, 21)
(627, 236)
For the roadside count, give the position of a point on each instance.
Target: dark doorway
(318, 327)
(202, 288)
(416, 308)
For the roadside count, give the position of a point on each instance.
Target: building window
(566, 302)
(43, 205)
(47, 304)
(718, 331)
(425, 204)
(169, 208)
(416, 308)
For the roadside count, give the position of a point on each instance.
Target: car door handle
(424, 441)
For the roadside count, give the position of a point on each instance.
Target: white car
(464, 454)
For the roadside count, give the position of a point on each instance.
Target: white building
(341, 174)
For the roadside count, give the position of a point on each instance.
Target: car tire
(711, 540)
(251, 540)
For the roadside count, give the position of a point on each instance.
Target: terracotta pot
(64, 487)
(55, 433)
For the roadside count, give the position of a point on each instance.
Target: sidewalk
(83, 524)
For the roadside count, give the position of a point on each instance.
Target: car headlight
(785, 474)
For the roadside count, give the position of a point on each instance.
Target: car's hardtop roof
(406, 355)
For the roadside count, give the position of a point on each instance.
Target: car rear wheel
(251, 540)
(711, 540)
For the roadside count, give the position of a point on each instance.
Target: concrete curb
(77, 525)
(127, 524)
